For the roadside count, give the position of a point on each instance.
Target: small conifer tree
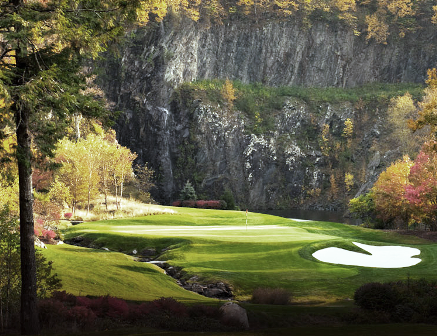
(188, 192)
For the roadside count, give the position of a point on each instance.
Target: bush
(170, 305)
(211, 204)
(51, 312)
(403, 301)
(201, 310)
(228, 197)
(188, 204)
(106, 306)
(66, 312)
(274, 296)
(66, 298)
(377, 296)
(48, 234)
(81, 316)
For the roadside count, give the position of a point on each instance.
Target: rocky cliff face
(210, 145)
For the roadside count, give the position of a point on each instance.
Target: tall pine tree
(43, 44)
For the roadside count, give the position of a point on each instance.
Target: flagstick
(246, 219)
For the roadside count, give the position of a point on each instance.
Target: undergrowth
(260, 103)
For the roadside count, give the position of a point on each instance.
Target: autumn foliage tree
(406, 192)
(427, 109)
(421, 193)
(389, 193)
(92, 165)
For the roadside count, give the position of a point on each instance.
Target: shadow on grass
(346, 330)
(139, 269)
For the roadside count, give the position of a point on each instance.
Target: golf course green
(217, 245)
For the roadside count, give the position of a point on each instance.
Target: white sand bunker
(381, 256)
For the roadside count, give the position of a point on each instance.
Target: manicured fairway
(269, 252)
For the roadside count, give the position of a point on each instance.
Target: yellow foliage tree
(324, 146)
(427, 108)
(400, 110)
(389, 192)
(228, 93)
(348, 130)
(348, 181)
(377, 28)
(398, 8)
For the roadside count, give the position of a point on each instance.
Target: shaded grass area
(350, 330)
(272, 252)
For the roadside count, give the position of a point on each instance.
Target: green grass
(97, 272)
(216, 245)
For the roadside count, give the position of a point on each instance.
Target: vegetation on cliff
(334, 124)
(376, 20)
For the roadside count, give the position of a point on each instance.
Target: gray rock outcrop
(193, 140)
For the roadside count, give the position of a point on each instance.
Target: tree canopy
(43, 45)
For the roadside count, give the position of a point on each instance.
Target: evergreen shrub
(403, 301)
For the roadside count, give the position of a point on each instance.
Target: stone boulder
(233, 314)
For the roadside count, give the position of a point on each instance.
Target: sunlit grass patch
(97, 272)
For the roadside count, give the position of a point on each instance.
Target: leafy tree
(389, 193)
(144, 181)
(72, 173)
(188, 192)
(121, 169)
(363, 207)
(10, 279)
(421, 193)
(325, 139)
(400, 110)
(348, 131)
(427, 111)
(9, 265)
(348, 181)
(333, 190)
(93, 163)
(228, 197)
(377, 28)
(228, 93)
(91, 151)
(42, 47)
(104, 170)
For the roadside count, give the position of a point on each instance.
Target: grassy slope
(279, 256)
(97, 272)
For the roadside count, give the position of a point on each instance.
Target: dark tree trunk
(29, 313)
